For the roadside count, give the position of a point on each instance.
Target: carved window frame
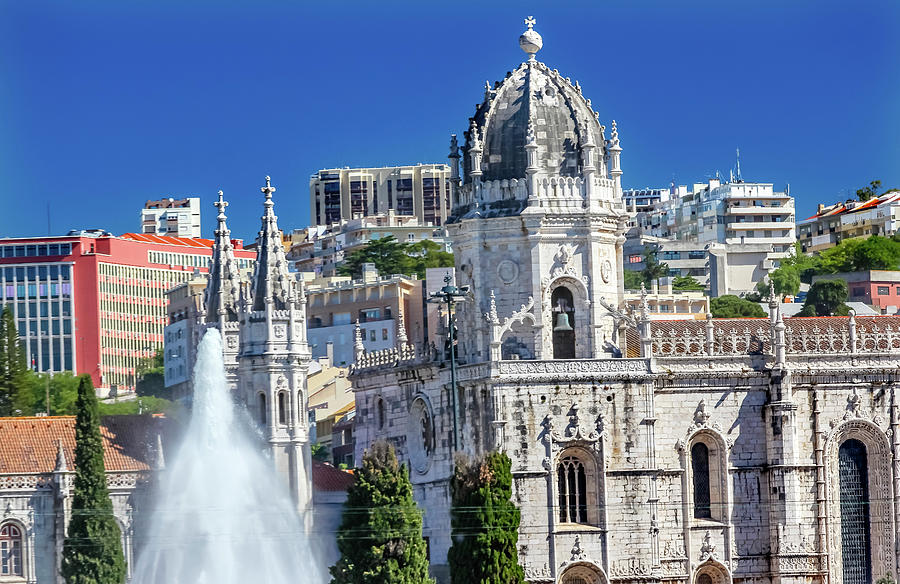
(717, 572)
(22, 551)
(590, 461)
(881, 493)
(719, 478)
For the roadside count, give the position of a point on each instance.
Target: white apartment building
(342, 194)
(746, 228)
(172, 217)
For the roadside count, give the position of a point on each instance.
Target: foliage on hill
(730, 306)
(686, 283)
(92, 550)
(380, 537)
(485, 523)
(851, 255)
(653, 268)
(826, 298)
(394, 257)
(151, 377)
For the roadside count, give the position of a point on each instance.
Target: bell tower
(538, 224)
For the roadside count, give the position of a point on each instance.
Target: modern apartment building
(342, 194)
(96, 305)
(735, 232)
(835, 223)
(321, 249)
(172, 217)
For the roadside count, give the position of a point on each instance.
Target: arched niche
(880, 493)
(582, 573)
(574, 344)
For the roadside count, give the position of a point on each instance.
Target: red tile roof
(169, 240)
(29, 445)
(328, 478)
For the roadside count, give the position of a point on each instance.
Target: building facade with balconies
(834, 223)
(172, 217)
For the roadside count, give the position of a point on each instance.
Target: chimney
(329, 353)
(369, 273)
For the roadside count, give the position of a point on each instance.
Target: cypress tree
(92, 551)
(380, 537)
(12, 361)
(484, 523)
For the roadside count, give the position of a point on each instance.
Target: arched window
(704, 579)
(282, 408)
(572, 481)
(563, 323)
(379, 413)
(262, 408)
(855, 538)
(10, 550)
(700, 476)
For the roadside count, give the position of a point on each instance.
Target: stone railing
(574, 368)
(392, 357)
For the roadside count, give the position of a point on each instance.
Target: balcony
(754, 225)
(779, 210)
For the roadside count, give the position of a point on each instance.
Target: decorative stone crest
(701, 422)
(707, 550)
(577, 551)
(574, 431)
(856, 411)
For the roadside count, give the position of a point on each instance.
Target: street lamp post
(450, 295)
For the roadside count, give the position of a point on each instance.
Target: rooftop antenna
(738, 151)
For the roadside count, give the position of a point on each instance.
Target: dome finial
(530, 41)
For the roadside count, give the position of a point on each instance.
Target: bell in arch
(562, 322)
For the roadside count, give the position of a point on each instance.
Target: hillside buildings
(342, 194)
(321, 249)
(96, 304)
(172, 217)
(835, 223)
(726, 235)
(748, 450)
(877, 288)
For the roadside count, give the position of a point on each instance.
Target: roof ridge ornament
(530, 41)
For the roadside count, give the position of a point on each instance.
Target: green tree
(653, 268)
(151, 377)
(633, 279)
(485, 523)
(686, 283)
(33, 389)
(869, 191)
(380, 537)
(730, 306)
(320, 452)
(877, 253)
(427, 254)
(142, 405)
(389, 256)
(12, 362)
(826, 298)
(785, 280)
(92, 551)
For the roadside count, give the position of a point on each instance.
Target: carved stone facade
(680, 451)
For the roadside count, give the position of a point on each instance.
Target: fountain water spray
(223, 516)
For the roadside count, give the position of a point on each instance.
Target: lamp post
(450, 295)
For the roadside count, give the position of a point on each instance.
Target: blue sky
(106, 104)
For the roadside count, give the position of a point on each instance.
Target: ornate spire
(645, 307)
(223, 285)
(614, 136)
(530, 41)
(60, 458)
(271, 278)
(454, 147)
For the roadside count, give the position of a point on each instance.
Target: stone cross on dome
(530, 41)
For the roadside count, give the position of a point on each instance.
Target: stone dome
(562, 121)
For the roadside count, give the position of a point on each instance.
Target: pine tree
(380, 538)
(485, 523)
(92, 551)
(12, 361)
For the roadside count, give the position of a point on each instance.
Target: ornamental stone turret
(539, 215)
